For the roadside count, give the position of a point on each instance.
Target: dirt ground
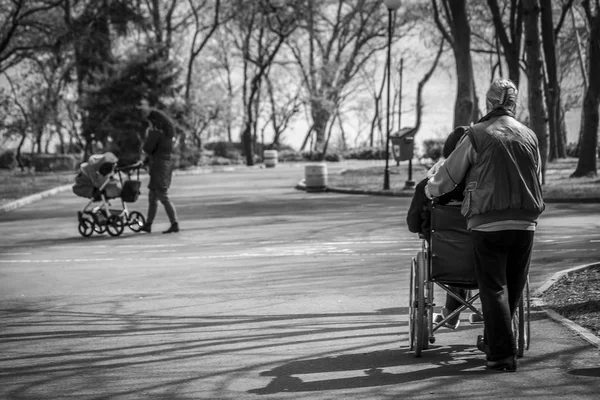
(576, 296)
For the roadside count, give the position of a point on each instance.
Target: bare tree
(537, 113)
(510, 38)
(261, 28)
(282, 109)
(341, 38)
(422, 84)
(454, 25)
(552, 86)
(588, 144)
(198, 45)
(26, 26)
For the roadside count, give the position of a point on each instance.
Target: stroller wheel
(136, 221)
(115, 225)
(86, 227)
(100, 223)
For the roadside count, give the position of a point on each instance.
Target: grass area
(17, 184)
(558, 184)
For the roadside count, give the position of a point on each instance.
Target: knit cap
(502, 93)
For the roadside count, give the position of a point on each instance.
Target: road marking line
(129, 251)
(210, 257)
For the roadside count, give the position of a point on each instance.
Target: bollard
(315, 177)
(270, 158)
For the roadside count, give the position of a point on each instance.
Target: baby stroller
(446, 260)
(97, 181)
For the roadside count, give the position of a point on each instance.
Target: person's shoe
(440, 317)
(173, 228)
(481, 346)
(507, 364)
(476, 318)
(146, 228)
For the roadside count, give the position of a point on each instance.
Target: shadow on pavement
(591, 372)
(368, 368)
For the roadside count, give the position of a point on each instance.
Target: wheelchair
(446, 260)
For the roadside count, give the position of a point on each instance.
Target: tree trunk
(511, 40)
(588, 144)
(320, 116)
(537, 114)
(557, 147)
(552, 88)
(19, 147)
(376, 121)
(465, 106)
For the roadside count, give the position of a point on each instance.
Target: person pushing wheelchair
(499, 161)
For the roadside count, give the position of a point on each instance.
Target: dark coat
(159, 146)
(418, 217)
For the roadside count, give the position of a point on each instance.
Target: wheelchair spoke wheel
(521, 323)
(517, 323)
(136, 221)
(115, 225)
(527, 313)
(412, 309)
(85, 227)
(421, 334)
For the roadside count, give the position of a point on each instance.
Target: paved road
(268, 292)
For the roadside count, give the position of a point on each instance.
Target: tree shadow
(369, 369)
(590, 372)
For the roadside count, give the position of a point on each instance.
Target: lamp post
(392, 5)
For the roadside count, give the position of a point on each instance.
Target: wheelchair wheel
(115, 225)
(522, 322)
(421, 328)
(412, 310)
(136, 221)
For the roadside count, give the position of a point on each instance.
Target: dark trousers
(162, 195)
(502, 265)
(453, 304)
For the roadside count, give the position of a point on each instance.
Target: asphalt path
(267, 292)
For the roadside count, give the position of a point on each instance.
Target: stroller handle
(127, 168)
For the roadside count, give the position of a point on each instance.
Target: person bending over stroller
(418, 220)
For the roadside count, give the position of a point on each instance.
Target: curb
(409, 193)
(395, 193)
(33, 198)
(537, 301)
(13, 205)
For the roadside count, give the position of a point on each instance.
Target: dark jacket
(418, 217)
(504, 181)
(159, 146)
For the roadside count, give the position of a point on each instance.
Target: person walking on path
(500, 162)
(158, 146)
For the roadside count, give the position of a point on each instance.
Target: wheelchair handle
(131, 167)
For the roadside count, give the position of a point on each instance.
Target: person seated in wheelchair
(418, 220)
